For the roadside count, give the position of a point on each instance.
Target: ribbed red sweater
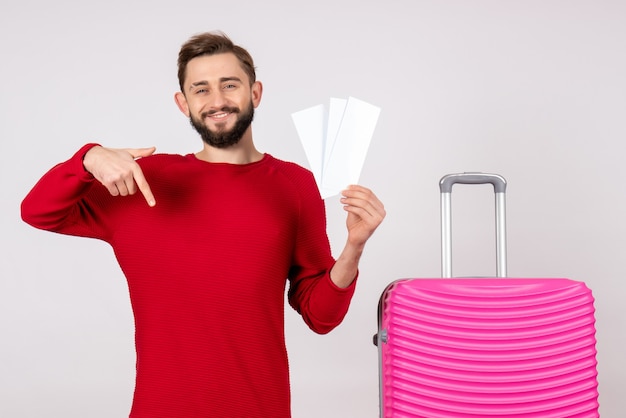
(207, 269)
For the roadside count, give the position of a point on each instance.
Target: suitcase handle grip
(498, 182)
(499, 186)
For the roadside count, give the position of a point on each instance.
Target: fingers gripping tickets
(365, 213)
(118, 171)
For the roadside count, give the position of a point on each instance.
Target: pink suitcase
(486, 347)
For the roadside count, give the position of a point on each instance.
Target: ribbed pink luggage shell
(468, 348)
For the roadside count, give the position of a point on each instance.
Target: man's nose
(217, 99)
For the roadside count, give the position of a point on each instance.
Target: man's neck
(244, 152)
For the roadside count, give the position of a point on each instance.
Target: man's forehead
(214, 67)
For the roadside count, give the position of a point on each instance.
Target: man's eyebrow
(233, 78)
(198, 83)
(206, 83)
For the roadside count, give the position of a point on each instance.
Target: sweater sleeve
(56, 202)
(312, 293)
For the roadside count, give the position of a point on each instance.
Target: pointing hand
(118, 171)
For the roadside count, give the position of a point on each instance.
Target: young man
(208, 244)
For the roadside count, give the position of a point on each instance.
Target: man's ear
(257, 92)
(181, 102)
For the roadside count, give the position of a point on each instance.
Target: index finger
(354, 193)
(144, 188)
(358, 192)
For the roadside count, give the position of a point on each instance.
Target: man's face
(218, 99)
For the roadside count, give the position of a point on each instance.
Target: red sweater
(207, 269)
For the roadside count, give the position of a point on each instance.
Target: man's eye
(229, 86)
(201, 91)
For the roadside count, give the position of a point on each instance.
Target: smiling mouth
(218, 115)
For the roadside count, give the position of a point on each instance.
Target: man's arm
(56, 199)
(323, 297)
(365, 214)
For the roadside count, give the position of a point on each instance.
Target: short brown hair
(212, 43)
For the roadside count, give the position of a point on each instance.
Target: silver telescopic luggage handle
(499, 186)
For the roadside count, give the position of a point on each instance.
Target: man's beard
(223, 138)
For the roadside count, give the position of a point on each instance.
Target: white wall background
(533, 90)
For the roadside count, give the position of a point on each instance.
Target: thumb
(141, 152)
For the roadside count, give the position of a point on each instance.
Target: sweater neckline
(228, 166)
